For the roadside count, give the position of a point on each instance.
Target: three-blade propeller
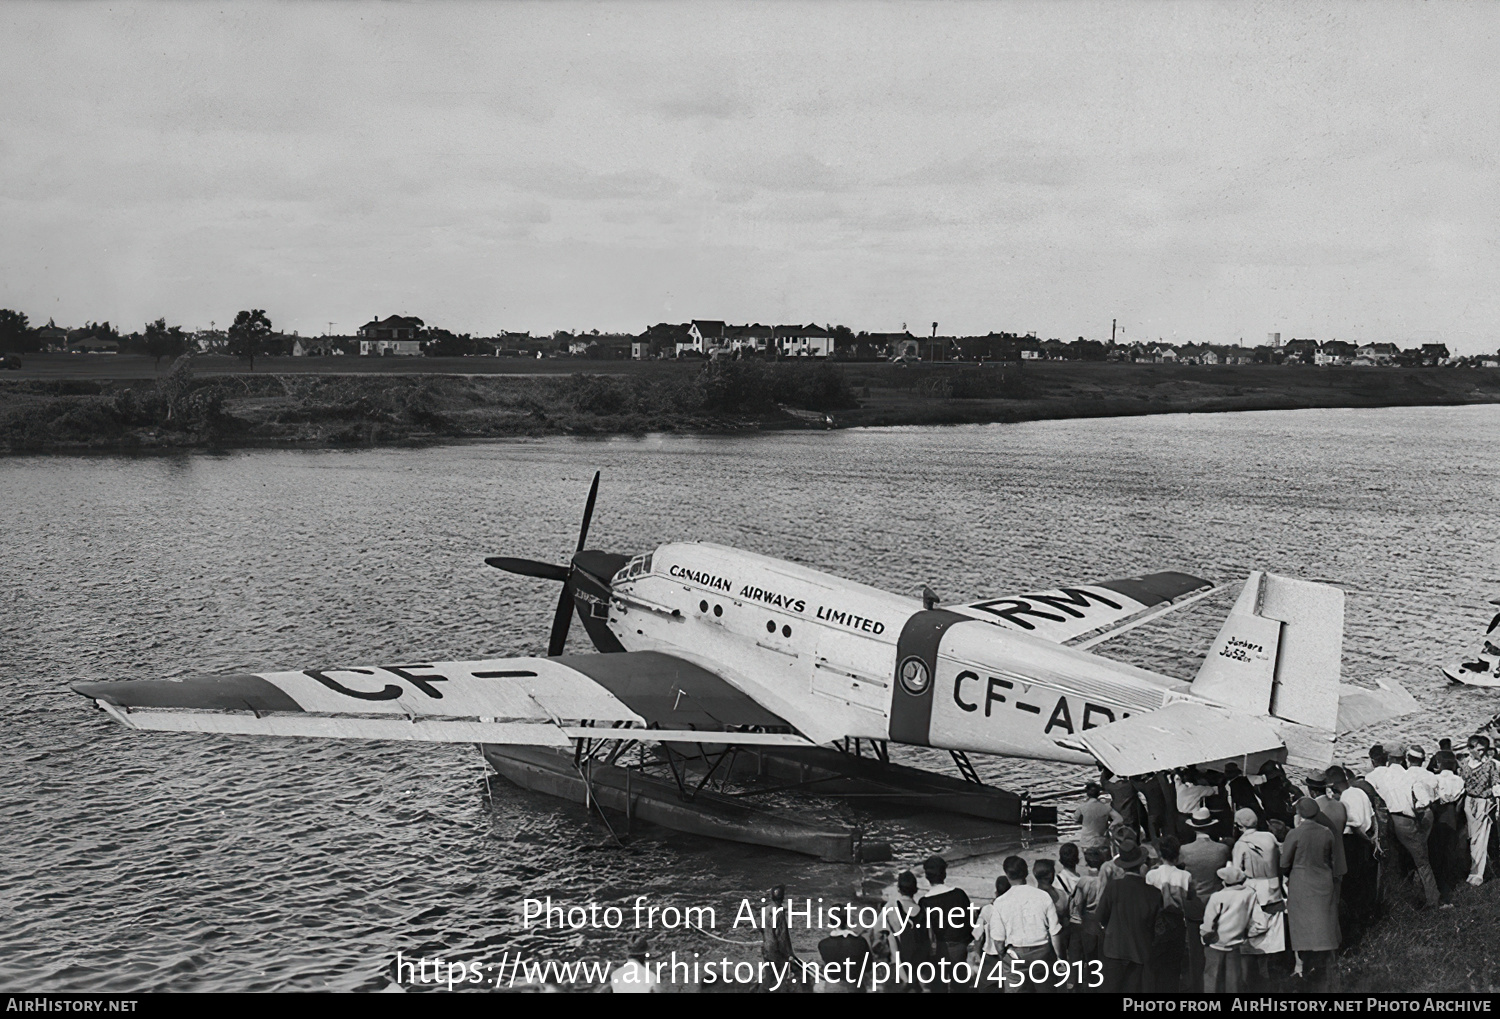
(563, 617)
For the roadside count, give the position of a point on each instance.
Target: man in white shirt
(1359, 890)
(1388, 775)
(1424, 787)
(1021, 927)
(1169, 947)
(1191, 792)
(1395, 787)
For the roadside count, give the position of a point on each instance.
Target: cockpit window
(640, 564)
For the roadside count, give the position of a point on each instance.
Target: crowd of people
(1198, 880)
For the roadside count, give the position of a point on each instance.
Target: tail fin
(1278, 652)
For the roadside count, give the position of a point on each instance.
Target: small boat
(1480, 666)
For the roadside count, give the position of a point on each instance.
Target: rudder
(1279, 652)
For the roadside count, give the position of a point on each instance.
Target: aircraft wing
(535, 701)
(1095, 611)
(1176, 736)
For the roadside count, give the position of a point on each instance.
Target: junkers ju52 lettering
(698, 644)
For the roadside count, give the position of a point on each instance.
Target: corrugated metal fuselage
(839, 658)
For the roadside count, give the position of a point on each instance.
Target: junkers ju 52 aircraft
(712, 657)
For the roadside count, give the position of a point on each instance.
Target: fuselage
(840, 658)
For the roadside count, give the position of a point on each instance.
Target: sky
(1198, 171)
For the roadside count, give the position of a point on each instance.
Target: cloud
(1013, 161)
(789, 171)
(713, 102)
(571, 181)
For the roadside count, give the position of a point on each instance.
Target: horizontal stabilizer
(1177, 736)
(1360, 706)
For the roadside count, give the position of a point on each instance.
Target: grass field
(62, 401)
(1432, 950)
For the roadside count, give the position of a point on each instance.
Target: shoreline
(57, 410)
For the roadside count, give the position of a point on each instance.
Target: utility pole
(1112, 323)
(330, 330)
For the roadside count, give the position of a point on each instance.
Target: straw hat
(1201, 818)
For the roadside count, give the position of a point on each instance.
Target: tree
(248, 335)
(161, 341)
(15, 332)
(442, 343)
(843, 336)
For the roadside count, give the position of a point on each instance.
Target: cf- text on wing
(533, 701)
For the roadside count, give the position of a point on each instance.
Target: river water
(149, 861)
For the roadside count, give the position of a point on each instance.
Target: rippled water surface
(149, 861)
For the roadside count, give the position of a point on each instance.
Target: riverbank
(73, 403)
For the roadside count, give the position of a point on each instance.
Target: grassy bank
(67, 403)
(1431, 950)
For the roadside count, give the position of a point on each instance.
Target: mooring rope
(727, 941)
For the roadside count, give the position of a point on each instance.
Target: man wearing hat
(1374, 784)
(1127, 912)
(1424, 788)
(1258, 855)
(1201, 858)
(1094, 816)
(1406, 805)
(1226, 922)
(1311, 906)
(1333, 816)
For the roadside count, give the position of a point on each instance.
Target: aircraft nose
(600, 566)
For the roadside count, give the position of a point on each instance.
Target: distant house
(1337, 352)
(1434, 353)
(50, 337)
(1163, 354)
(703, 335)
(315, 346)
(1377, 353)
(665, 339)
(753, 338)
(608, 346)
(93, 345)
(896, 345)
(395, 335)
(1301, 350)
(811, 340)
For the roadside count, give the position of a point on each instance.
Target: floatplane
(710, 662)
(1481, 665)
